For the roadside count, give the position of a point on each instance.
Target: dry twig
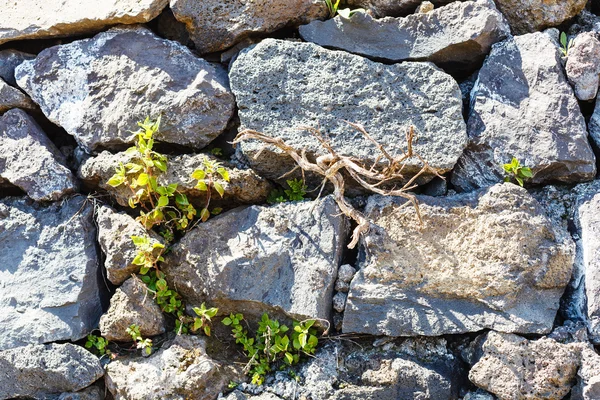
(329, 166)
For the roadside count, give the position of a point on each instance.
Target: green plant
(517, 171)
(98, 344)
(295, 192)
(216, 151)
(565, 44)
(271, 344)
(332, 7)
(141, 343)
(206, 176)
(202, 321)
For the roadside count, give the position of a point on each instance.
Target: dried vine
(329, 166)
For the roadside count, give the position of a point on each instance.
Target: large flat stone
(48, 272)
(29, 160)
(461, 32)
(216, 24)
(522, 106)
(39, 19)
(281, 86)
(121, 76)
(281, 259)
(487, 259)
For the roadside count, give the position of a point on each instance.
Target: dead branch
(330, 165)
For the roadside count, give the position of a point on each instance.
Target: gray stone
(48, 278)
(479, 395)
(114, 235)
(216, 25)
(585, 22)
(90, 393)
(346, 273)
(29, 160)
(588, 376)
(179, 371)
(11, 97)
(583, 65)
(386, 99)
(534, 15)
(513, 367)
(9, 60)
(339, 301)
(461, 32)
(393, 8)
(594, 125)
(40, 19)
(486, 259)
(523, 107)
(39, 370)
(292, 249)
(119, 77)
(341, 286)
(244, 186)
(131, 304)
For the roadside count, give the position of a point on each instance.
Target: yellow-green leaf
(198, 174)
(163, 201)
(219, 188)
(204, 214)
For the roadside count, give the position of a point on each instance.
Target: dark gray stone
(11, 97)
(9, 60)
(48, 272)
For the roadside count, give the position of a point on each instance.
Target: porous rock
(513, 367)
(38, 19)
(461, 32)
(182, 370)
(594, 125)
(29, 160)
(41, 370)
(9, 60)
(486, 259)
(216, 25)
(526, 16)
(583, 65)
(522, 106)
(244, 186)
(119, 77)
(292, 249)
(114, 235)
(50, 289)
(11, 97)
(393, 8)
(588, 376)
(386, 99)
(132, 304)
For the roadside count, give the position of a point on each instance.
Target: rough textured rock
(294, 249)
(583, 65)
(40, 370)
(181, 371)
(132, 303)
(9, 60)
(216, 25)
(386, 99)
(244, 186)
(393, 8)
(461, 32)
(48, 277)
(486, 259)
(588, 376)
(594, 125)
(89, 393)
(29, 160)
(513, 367)
(114, 235)
(119, 77)
(11, 97)
(40, 19)
(523, 107)
(535, 15)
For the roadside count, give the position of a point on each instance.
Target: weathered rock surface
(594, 125)
(132, 303)
(114, 235)
(244, 186)
(216, 25)
(588, 376)
(11, 97)
(513, 367)
(393, 8)
(523, 107)
(40, 19)
(535, 15)
(40, 370)
(29, 160)
(293, 249)
(48, 272)
(89, 393)
(386, 99)
(461, 32)
(120, 76)
(583, 65)
(486, 259)
(181, 371)
(9, 60)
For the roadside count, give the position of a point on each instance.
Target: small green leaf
(142, 179)
(198, 174)
(116, 180)
(219, 188)
(201, 185)
(526, 172)
(161, 165)
(227, 321)
(163, 201)
(563, 39)
(224, 173)
(204, 214)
